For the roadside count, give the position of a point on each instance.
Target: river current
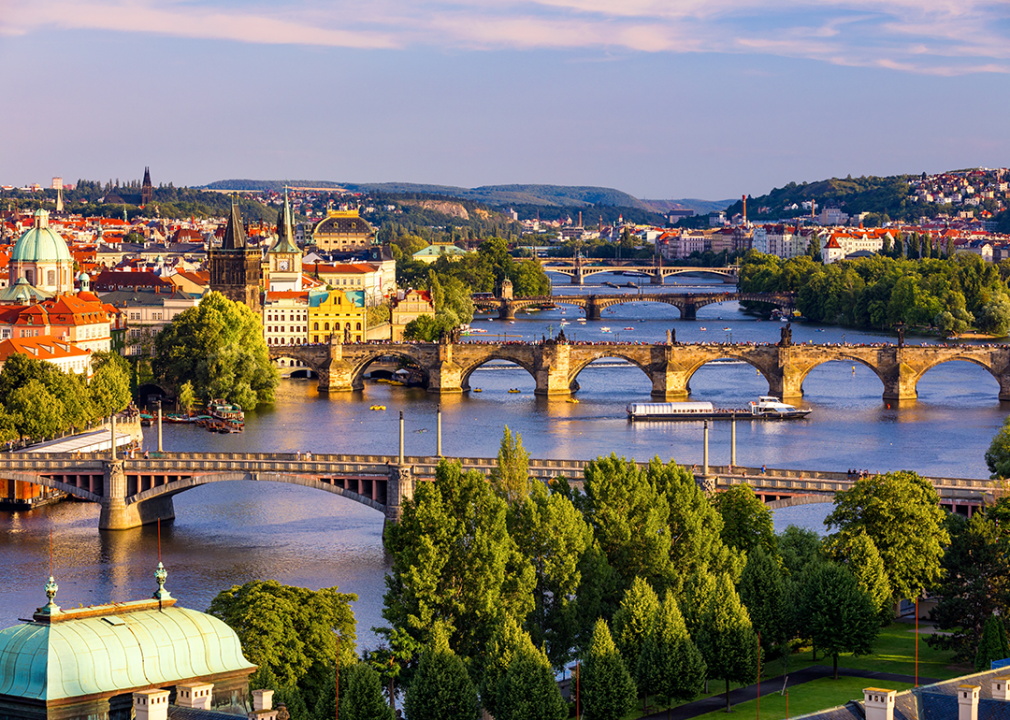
(230, 533)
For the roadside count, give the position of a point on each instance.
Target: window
(357, 326)
(51, 277)
(326, 326)
(315, 326)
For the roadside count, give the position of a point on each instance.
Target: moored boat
(767, 407)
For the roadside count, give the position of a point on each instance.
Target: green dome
(41, 244)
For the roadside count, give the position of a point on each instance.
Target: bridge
(579, 270)
(140, 491)
(555, 364)
(687, 303)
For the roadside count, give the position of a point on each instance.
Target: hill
(883, 196)
(700, 207)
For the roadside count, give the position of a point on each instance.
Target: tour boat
(767, 407)
(230, 412)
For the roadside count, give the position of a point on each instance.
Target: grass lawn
(893, 652)
(806, 698)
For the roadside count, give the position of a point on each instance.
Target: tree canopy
(218, 347)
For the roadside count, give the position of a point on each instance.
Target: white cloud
(920, 36)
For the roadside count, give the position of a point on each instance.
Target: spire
(234, 234)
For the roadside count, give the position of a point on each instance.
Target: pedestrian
(764, 470)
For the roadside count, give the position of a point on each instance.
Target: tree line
(653, 586)
(880, 292)
(40, 401)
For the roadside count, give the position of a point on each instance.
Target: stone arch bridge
(687, 303)
(555, 365)
(578, 271)
(140, 491)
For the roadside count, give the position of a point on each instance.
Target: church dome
(40, 243)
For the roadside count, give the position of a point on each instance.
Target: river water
(230, 533)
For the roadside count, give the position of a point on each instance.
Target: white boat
(767, 407)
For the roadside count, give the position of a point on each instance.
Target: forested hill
(888, 196)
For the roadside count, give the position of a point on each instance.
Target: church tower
(235, 267)
(284, 259)
(147, 189)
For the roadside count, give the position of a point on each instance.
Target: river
(230, 533)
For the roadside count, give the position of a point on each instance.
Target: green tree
(441, 690)
(997, 457)
(900, 512)
(454, 562)
(557, 542)
(110, 384)
(607, 688)
(836, 613)
(187, 398)
(629, 519)
(633, 620)
(218, 346)
(992, 645)
(746, 521)
(290, 630)
(798, 547)
(976, 580)
(392, 658)
(726, 638)
(364, 694)
(510, 478)
(765, 594)
(36, 411)
(995, 316)
(507, 640)
(670, 665)
(529, 691)
(861, 557)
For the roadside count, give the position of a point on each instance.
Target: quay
(134, 492)
(555, 363)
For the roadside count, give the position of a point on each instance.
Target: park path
(773, 686)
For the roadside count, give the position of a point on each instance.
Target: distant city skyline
(658, 99)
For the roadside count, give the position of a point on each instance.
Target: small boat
(630, 327)
(565, 322)
(477, 390)
(221, 410)
(377, 407)
(767, 407)
(703, 329)
(395, 382)
(726, 329)
(581, 320)
(515, 390)
(573, 401)
(604, 329)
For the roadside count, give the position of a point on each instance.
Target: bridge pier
(553, 370)
(689, 312)
(577, 277)
(593, 309)
(670, 385)
(1004, 385)
(117, 514)
(657, 278)
(446, 376)
(900, 378)
(506, 311)
(399, 489)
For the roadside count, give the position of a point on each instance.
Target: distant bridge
(555, 365)
(579, 270)
(687, 303)
(137, 492)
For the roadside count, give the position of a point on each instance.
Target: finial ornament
(160, 576)
(50, 608)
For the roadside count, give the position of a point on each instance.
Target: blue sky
(660, 98)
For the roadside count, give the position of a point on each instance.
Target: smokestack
(745, 209)
(580, 218)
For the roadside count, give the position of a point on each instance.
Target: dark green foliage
(835, 612)
(997, 457)
(900, 512)
(393, 659)
(110, 384)
(218, 346)
(992, 645)
(454, 562)
(726, 638)
(860, 556)
(529, 691)
(976, 583)
(798, 547)
(670, 665)
(607, 690)
(765, 593)
(506, 643)
(746, 522)
(629, 518)
(441, 689)
(290, 630)
(633, 621)
(363, 699)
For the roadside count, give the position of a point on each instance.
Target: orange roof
(44, 347)
(287, 295)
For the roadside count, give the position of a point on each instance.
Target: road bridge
(594, 305)
(135, 492)
(555, 364)
(579, 270)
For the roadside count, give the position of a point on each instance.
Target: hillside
(700, 207)
(879, 195)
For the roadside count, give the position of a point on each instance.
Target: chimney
(967, 702)
(151, 704)
(263, 700)
(878, 703)
(1001, 688)
(745, 209)
(194, 695)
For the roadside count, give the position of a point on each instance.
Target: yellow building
(410, 306)
(342, 231)
(337, 312)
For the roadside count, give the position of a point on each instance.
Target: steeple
(285, 230)
(146, 189)
(234, 234)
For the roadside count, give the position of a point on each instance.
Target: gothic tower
(147, 189)
(235, 266)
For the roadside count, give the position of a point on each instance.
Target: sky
(659, 98)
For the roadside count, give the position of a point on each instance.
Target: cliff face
(445, 207)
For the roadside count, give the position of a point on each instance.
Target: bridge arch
(578, 368)
(766, 373)
(295, 352)
(959, 358)
(844, 357)
(501, 354)
(603, 302)
(79, 493)
(188, 483)
(358, 372)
